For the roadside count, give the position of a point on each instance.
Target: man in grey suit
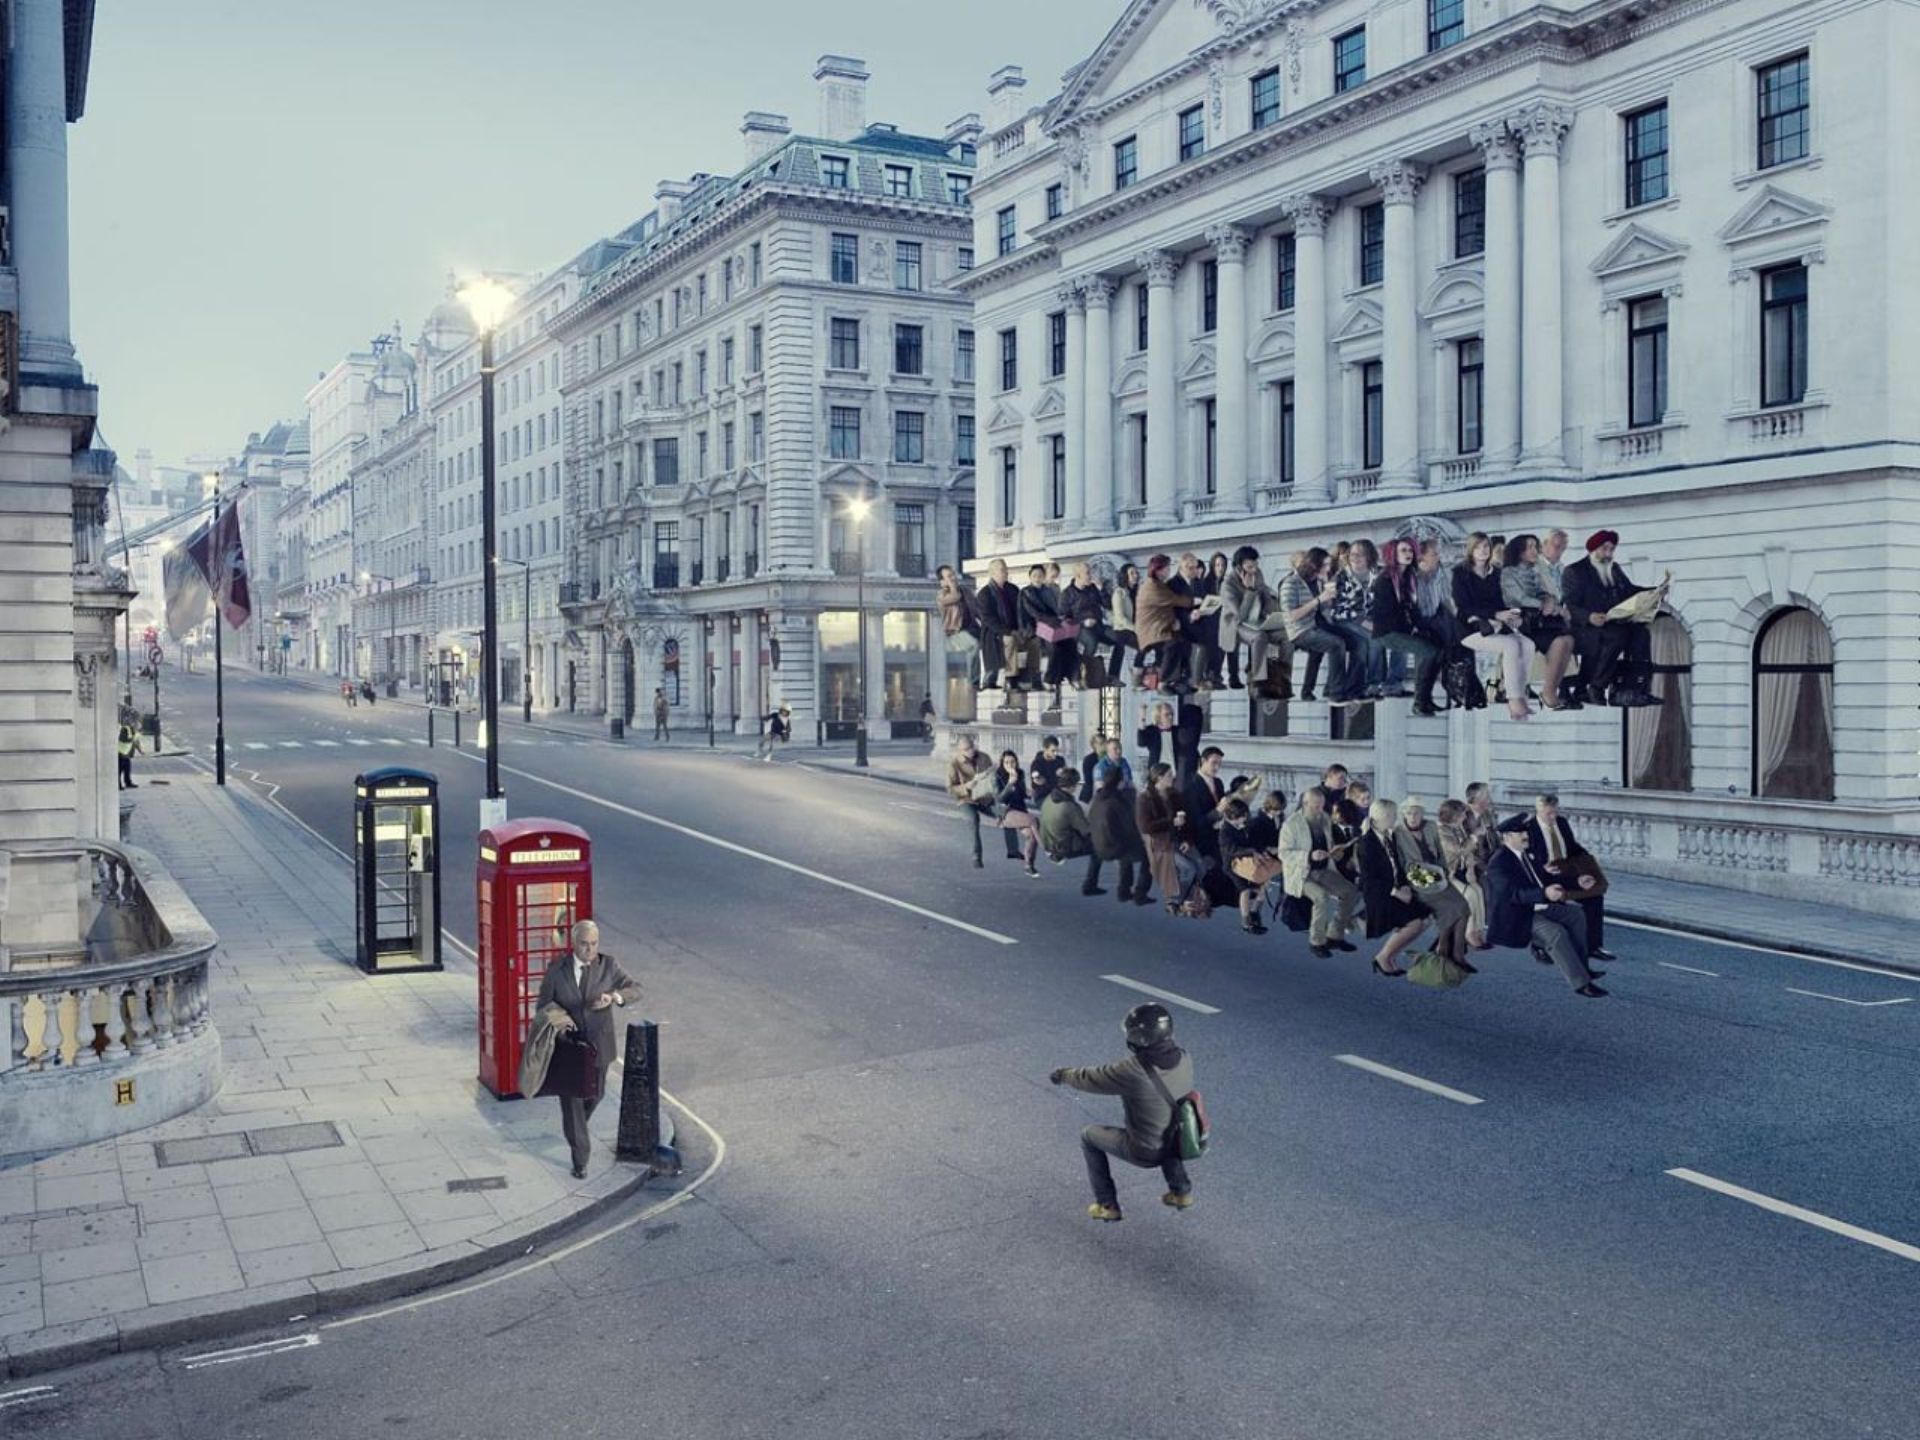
(589, 986)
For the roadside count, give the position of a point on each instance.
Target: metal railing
(909, 566)
(845, 562)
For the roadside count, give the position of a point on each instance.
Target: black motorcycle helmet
(1147, 1025)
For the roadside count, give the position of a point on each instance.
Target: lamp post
(219, 666)
(487, 301)
(367, 577)
(526, 636)
(858, 509)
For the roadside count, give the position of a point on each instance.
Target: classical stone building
(337, 420)
(392, 538)
(764, 348)
(1284, 273)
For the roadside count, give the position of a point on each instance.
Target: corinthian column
(1540, 128)
(1399, 182)
(1074, 304)
(1313, 476)
(1500, 354)
(1161, 267)
(1097, 292)
(1230, 370)
(37, 177)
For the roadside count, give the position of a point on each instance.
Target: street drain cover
(274, 1140)
(478, 1182)
(201, 1149)
(285, 1139)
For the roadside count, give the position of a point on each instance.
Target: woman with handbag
(1053, 635)
(1492, 626)
(1543, 620)
(1154, 814)
(1465, 860)
(1394, 912)
(1423, 855)
(1250, 866)
(1084, 604)
(1010, 801)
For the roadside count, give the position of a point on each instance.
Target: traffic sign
(155, 655)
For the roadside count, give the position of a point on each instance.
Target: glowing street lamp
(488, 301)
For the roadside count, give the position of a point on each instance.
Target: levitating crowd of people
(1336, 860)
(1374, 623)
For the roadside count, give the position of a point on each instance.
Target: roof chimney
(843, 96)
(764, 133)
(964, 131)
(1003, 90)
(670, 198)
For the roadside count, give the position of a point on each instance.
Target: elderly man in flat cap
(1615, 655)
(1527, 908)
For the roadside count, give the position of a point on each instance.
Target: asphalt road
(896, 1245)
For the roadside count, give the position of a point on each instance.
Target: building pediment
(1637, 249)
(1052, 404)
(1112, 65)
(1361, 318)
(1133, 379)
(1274, 341)
(1452, 291)
(1772, 213)
(1004, 416)
(848, 474)
(1200, 363)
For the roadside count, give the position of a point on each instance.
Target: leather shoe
(1345, 945)
(1097, 890)
(1591, 992)
(1601, 953)
(579, 1172)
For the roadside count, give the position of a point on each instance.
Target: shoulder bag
(1188, 1134)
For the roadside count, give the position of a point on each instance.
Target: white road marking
(1911, 977)
(1842, 1000)
(31, 1395)
(360, 742)
(256, 745)
(252, 1352)
(290, 744)
(1387, 1072)
(1160, 994)
(416, 740)
(1690, 969)
(995, 936)
(1795, 1212)
(330, 744)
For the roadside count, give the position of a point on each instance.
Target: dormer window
(836, 172)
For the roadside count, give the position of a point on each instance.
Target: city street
(1496, 1211)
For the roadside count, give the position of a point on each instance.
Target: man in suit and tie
(1526, 910)
(996, 606)
(1616, 656)
(1565, 861)
(589, 986)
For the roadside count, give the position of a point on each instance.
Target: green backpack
(1189, 1134)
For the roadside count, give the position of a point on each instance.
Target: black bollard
(638, 1141)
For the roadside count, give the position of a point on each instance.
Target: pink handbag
(1054, 632)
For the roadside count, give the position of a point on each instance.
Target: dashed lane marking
(1795, 1212)
(291, 744)
(1910, 976)
(31, 1395)
(1690, 969)
(328, 744)
(1432, 1087)
(1159, 994)
(260, 1351)
(256, 745)
(1843, 1000)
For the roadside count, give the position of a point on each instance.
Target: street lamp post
(219, 666)
(526, 637)
(487, 301)
(858, 510)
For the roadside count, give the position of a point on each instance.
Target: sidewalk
(1806, 927)
(351, 1155)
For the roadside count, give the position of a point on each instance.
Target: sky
(260, 186)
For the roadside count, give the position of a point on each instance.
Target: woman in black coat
(1393, 910)
(1116, 840)
(1206, 633)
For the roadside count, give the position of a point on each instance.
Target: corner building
(1287, 273)
(760, 350)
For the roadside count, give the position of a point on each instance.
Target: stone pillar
(752, 704)
(1399, 182)
(1230, 371)
(1540, 128)
(1163, 400)
(1313, 475)
(1101, 489)
(37, 171)
(1076, 399)
(937, 666)
(1500, 352)
(876, 668)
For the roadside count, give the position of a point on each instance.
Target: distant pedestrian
(128, 746)
(776, 728)
(349, 694)
(1154, 1072)
(588, 986)
(366, 691)
(659, 714)
(928, 715)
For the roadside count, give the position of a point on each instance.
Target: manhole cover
(285, 1139)
(478, 1182)
(201, 1149)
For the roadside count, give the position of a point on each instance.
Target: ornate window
(1266, 98)
(1793, 707)
(1349, 60)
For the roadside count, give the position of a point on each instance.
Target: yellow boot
(1108, 1213)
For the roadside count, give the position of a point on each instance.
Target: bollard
(617, 728)
(638, 1140)
(430, 727)
(456, 729)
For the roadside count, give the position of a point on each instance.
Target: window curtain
(1660, 738)
(1794, 745)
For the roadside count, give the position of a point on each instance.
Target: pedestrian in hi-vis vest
(129, 746)
(1155, 1072)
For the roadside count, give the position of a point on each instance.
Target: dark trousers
(659, 728)
(574, 1115)
(1616, 654)
(1093, 877)
(1596, 913)
(1558, 931)
(1426, 661)
(1097, 1142)
(126, 772)
(1346, 660)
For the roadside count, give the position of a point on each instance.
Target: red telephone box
(535, 880)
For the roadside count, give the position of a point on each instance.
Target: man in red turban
(1616, 656)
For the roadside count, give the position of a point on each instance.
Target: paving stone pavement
(109, 1242)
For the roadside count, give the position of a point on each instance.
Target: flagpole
(219, 675)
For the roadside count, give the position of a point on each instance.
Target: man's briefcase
(574, 1071)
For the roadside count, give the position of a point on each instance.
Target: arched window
(1657, 740)
(1793, 707)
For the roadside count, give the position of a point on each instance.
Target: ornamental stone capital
(1095, 290)
(1399, 180)
(1161, 266)
(1067, 295)
(1229, 243)
(1309, 213)
(1497, 145)
(1540, 127)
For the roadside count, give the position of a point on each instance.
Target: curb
(59, 1346)
(825, 769)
